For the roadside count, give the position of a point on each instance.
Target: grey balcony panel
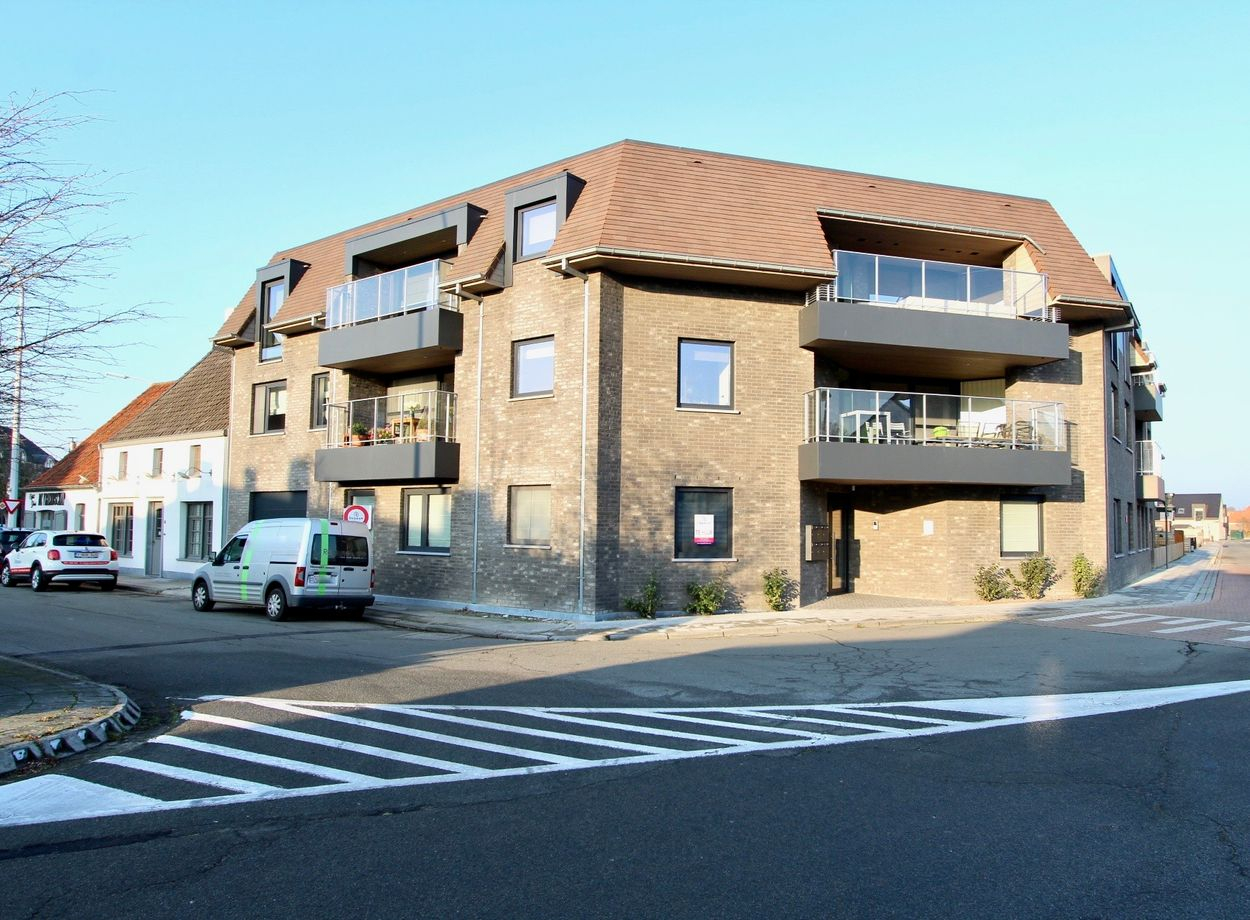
(1150, 488)
(423, 461)
(413, 341)
(854, 462)
(927, 343)
(1147, 404)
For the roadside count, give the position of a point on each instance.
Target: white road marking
(1070, 616)
(191, 776)
(1142, 619)
(59, 798)
(643, 729)
(268, 760)
(1239, 639)
(1199, 625)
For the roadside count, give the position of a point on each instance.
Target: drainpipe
(477, 435)
(581, 499)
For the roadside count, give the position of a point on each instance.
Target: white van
(290, 562)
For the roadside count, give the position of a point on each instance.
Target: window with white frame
(536, 229)
(529, 515)
(534, 367)
(269, 407)
(704, 374)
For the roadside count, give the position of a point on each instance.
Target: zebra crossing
(247, 749)
(1196, 629)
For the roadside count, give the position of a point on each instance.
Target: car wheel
(6, 577)
(275, 604)
(200, 598)
(38, 581)
(108, 585)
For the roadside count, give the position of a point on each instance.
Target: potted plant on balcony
(384, 436)
(359, 431)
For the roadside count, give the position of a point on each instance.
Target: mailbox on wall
(816, 540)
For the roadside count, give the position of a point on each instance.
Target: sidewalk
(45, 713)
(1188, 581)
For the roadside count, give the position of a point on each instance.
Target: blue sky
(236, 129)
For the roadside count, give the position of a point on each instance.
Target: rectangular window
(320, 395)
(703, 524)
(269, 407)
(193, 460)
(122, 528)
(123, 464)
(529, 515)
(158, 461)
(344, 549)
(273, 295)
(1130, 511)
(80, 517)
(198, 536)
(1127, 426)
(1117, 427)
(536, 229)
(1020, 526)
(427, 521)
(534, 367)
(1117, 541)
(704, 374)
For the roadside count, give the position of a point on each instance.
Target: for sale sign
(704, 529)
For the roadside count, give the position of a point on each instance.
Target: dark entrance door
(841, 524)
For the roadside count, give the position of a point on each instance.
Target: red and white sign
(704, 529)
(12, 505)
(356, 514)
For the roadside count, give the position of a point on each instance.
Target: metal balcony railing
(426, 416)
(393, 293)
(946, 287)
(1149, 458)
(891, 417)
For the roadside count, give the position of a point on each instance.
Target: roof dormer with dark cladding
(674, 212)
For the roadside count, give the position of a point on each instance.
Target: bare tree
(54, 247)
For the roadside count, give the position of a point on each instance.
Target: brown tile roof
(197, 401)
(81, 466)
(655, 198)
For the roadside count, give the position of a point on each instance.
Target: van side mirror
(220, 558)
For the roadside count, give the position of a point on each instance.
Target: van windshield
(79, 539)
(344, 550)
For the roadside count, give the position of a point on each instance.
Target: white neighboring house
(161, 500)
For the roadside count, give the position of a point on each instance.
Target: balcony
(1150, 472)
(1148, 398)
(933, 319)
(404, 438)
(883, 437)
(391, 323)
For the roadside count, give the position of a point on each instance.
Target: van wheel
(108, 585)
(6, 576)
(38, 581)
(275, 604)
(200, 599)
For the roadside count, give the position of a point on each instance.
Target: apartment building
(652, 360)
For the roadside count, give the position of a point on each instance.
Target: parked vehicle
(10, 538)
(283, 563)
(74, 557)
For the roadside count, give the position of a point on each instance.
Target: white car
(73, 557)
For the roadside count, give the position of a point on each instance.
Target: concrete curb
(57, 745)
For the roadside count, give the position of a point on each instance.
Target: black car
(10, 539)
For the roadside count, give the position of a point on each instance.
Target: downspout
(477, 434)
(581, 498)
(224, 523)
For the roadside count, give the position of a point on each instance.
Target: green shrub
(706, 597)
(778, 589)
(1037, 573)
(1087, 578)
(993, 583)
(647, 601)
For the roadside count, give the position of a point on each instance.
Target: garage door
(278, 505)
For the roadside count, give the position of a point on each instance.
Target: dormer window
(273, 295)
(536, 229)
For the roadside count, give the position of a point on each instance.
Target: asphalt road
(1133, 814)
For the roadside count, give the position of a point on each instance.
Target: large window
(529, 515)
(1020, 524)
(703, 524)
(320, 395)
(536, 229)
(273, 295)
(197, 540)
(704, 374)
(1118, 527)
(534, 367)
(122, 528)
(1117, 423)
(269, 407)
(427, 521)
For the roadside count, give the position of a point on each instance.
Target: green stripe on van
(325, 556)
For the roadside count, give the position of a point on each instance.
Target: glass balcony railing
(1148, 382)
(891, 417)
(389, 294)
(1149, 458)
(429, 415)
(946, 287)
